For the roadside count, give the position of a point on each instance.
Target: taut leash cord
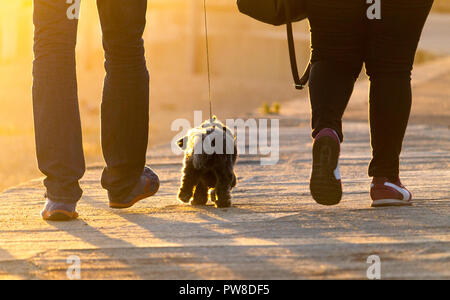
(207, 60)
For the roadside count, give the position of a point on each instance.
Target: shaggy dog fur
(206, 171)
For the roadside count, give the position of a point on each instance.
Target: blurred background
(249, 65)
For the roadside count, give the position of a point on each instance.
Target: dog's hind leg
(200, 194)
(189, 180)
(234, 181)
(223, 188)
(212, 195)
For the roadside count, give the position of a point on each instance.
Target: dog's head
(209, 130)
(211, 137)
(183, 142)
(194, 138)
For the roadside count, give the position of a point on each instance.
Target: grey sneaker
(147, 186)
(55, 211)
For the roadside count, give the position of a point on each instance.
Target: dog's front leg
(189, 180)
(200, 194)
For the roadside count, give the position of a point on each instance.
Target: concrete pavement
(436, 34)
(273, 231)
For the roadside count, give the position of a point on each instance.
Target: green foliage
(273, 109)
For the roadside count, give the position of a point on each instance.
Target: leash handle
(299, 83)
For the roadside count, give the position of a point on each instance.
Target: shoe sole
(59, 215)
(390, 202)
(325, 188)
(133, 202)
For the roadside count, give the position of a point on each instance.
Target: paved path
(436, 34)
(273, 231)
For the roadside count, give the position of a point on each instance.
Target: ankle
(328, 132)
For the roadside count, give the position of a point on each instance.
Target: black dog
(208, 168)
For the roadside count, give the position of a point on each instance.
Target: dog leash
(207, 60)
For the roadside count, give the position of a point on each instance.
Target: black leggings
(343, 38)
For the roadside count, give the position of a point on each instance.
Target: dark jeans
(125, 103)
(343, 38)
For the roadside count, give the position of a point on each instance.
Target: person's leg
(337, 35)
(125, 105)
(390, 55)
(55, 102)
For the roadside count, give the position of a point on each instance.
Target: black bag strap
(300, 83)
